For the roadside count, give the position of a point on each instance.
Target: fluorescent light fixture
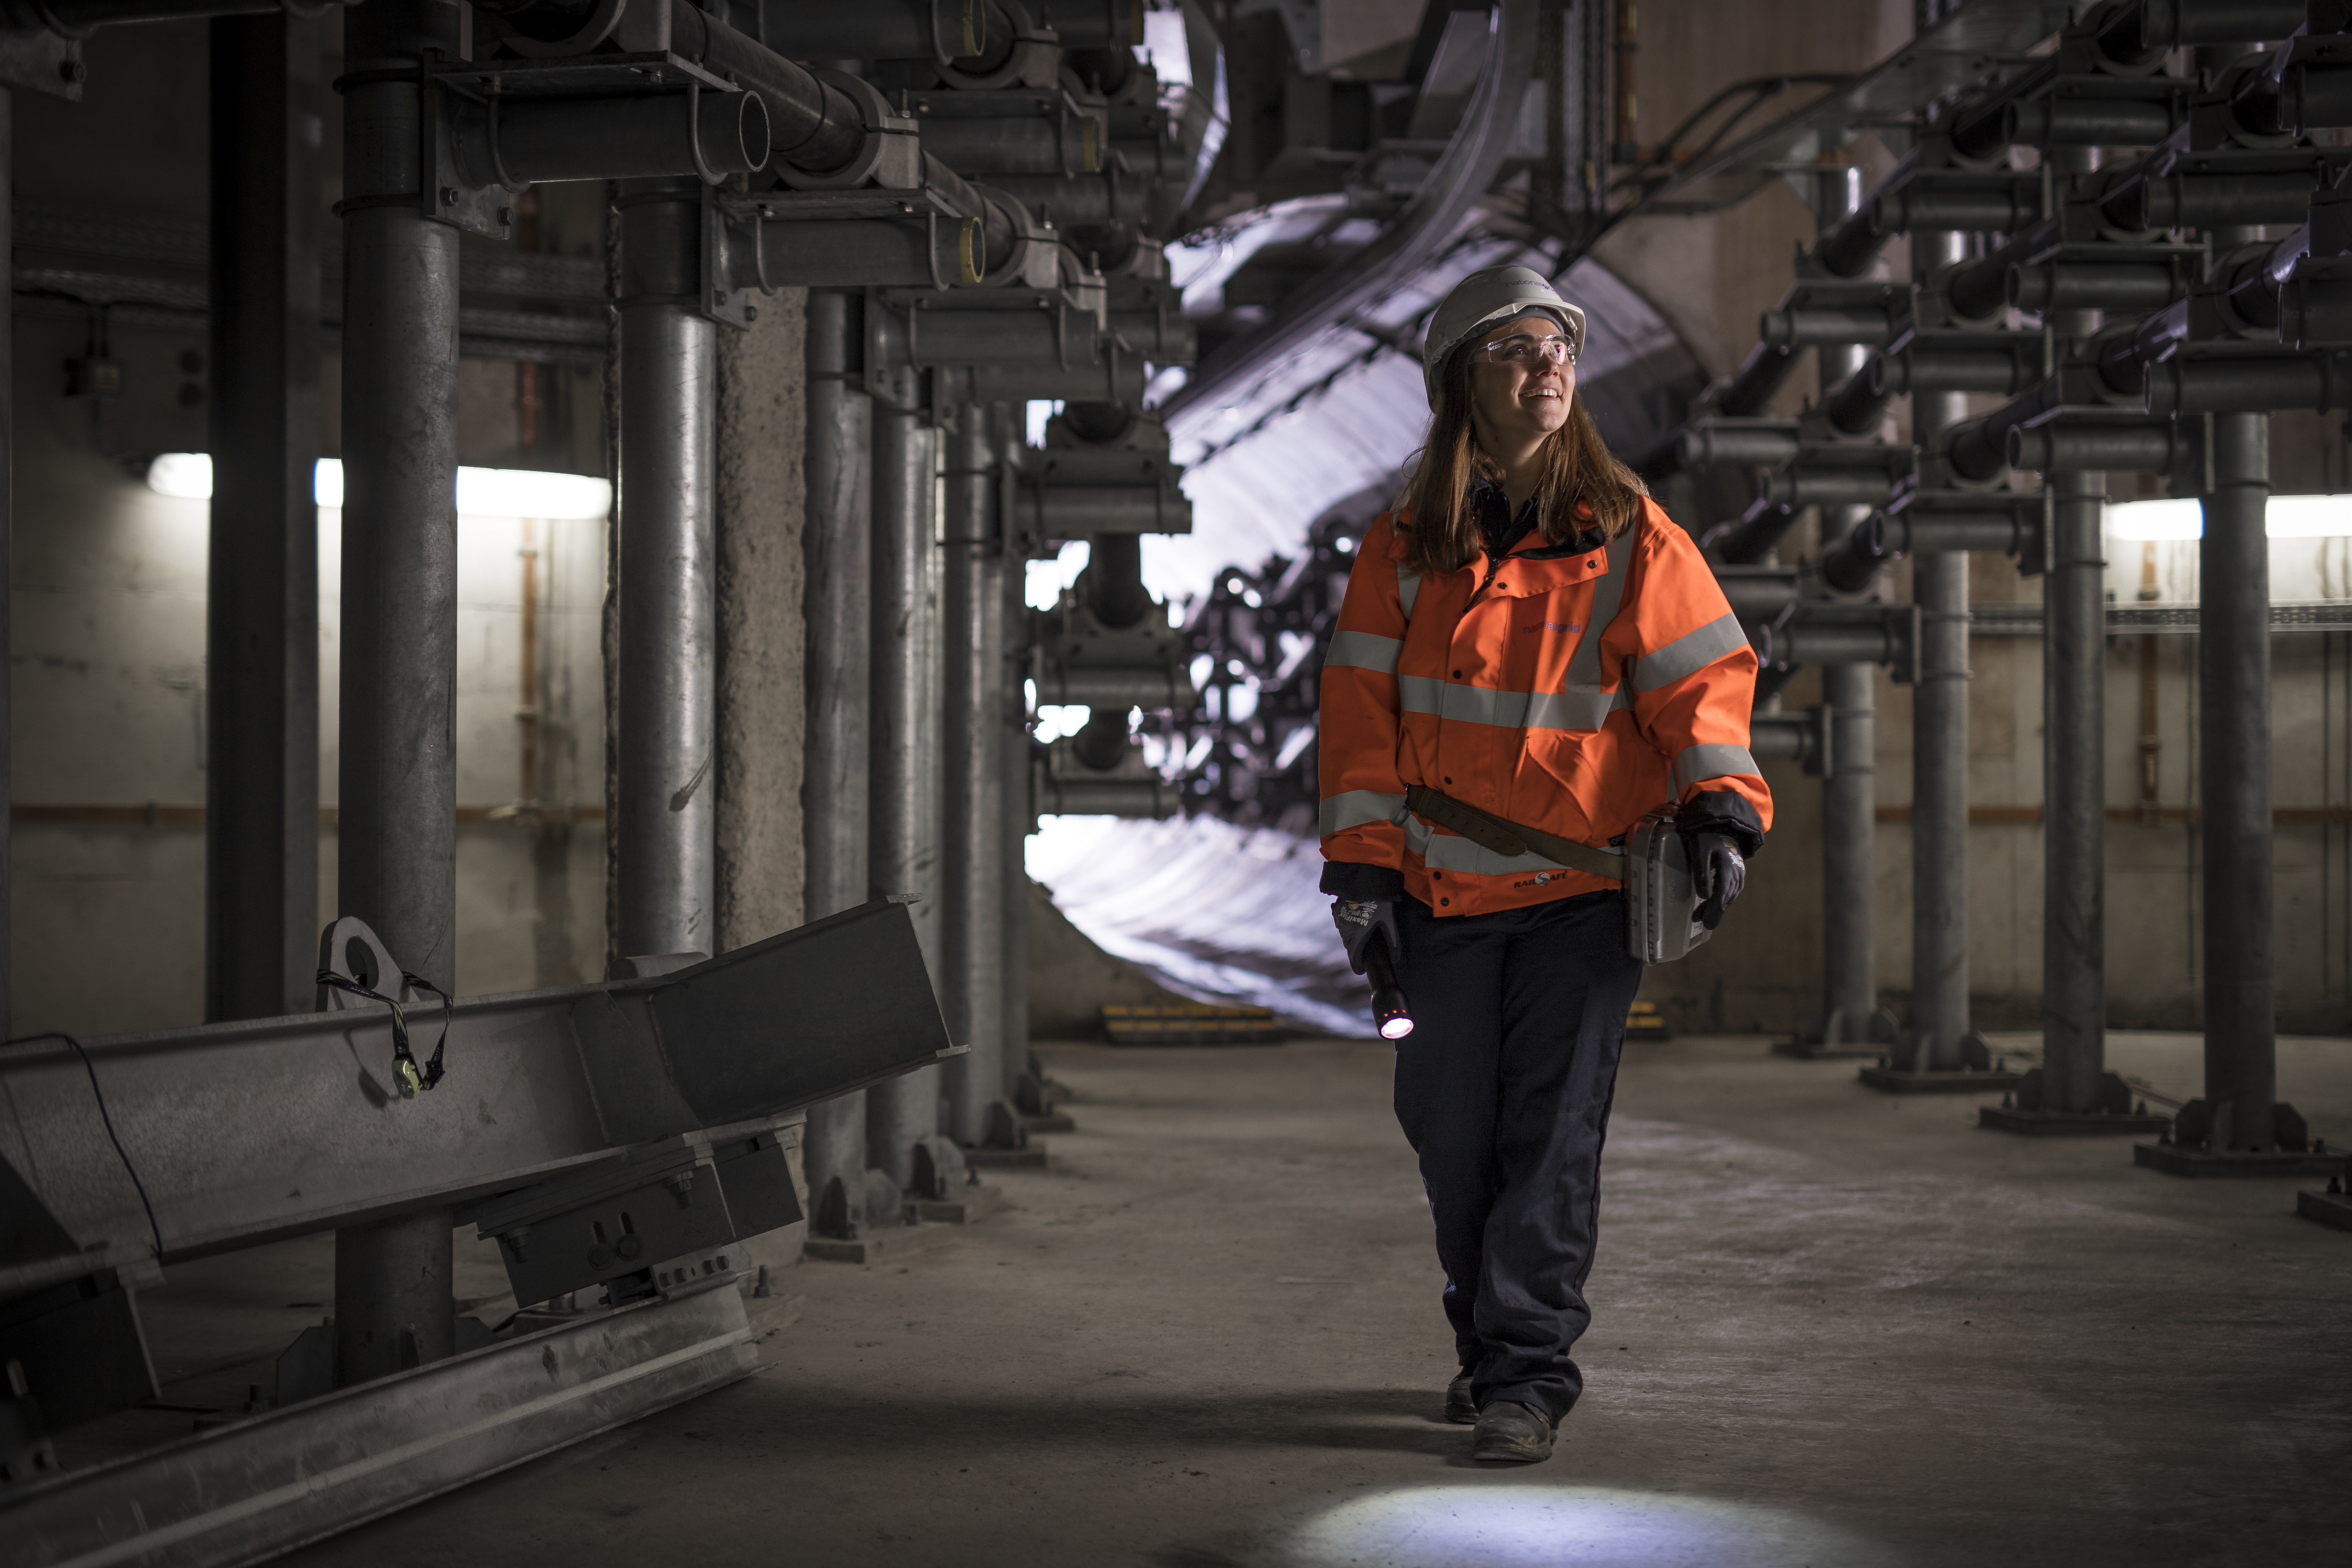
(2287, 517)
(481, 492)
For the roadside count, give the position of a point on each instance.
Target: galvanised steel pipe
(1751, 537)
(1826, 642)
(1938, 1035)
(2063, 446)
(7, 520)
(1978, 289)
(904, 774)
(2073, 763)
(836, 607)
(883, 253)
(1794, 489)
(1715, 441)
(975, 37)
(1116, 377)
(2318, 382)
(1759, 375)
(1810, 326)
(2212, 201)
(1880, 537)
(1757, 592)
(1163, 337)
(2131, 33)
(1857, 404)
(677, 133)
(2089, 285)
(996, 145)
(1998, 367)
(2085, 123)
(974, 806)
(1153, 799)
(668, 818)
(397, 841)
(1083, 201)
(1151, 687)
(2001, 207)
(1788, 737)
(79, 18)
(992, 337)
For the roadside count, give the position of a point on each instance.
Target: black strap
(1510, 838)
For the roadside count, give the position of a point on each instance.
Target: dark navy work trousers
(1503, 1088)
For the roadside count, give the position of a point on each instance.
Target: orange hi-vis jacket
(1576, 692)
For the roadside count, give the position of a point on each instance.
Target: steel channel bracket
(288, 1476)
(42, 62)
(250, 1132)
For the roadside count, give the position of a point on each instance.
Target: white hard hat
(1484, 297)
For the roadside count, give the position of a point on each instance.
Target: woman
(1528, 636)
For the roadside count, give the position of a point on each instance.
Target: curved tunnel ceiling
(1227, 911)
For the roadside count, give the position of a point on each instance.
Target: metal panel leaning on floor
(1532, 637)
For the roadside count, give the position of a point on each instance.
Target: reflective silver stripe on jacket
(1688, 654)
(1363, 650)
(1355, 807)
(1450, 852)
(1408, 587)
(1713, 761)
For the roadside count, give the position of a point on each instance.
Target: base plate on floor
(2067, 1123)
(878, 1244)
(1032, 1158)
(2176, 1160)
(1894, 1081)
(1826, 1051)
(962, 1207)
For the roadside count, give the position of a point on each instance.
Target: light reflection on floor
(1529, 1526)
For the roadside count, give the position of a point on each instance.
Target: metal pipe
(1857, 404)
(2001, 208)
(1849, 771)
(1704, 445)
(2089, 286)
(2073, 762)
(261, 620)
(1807, 326)
(2085, 123)
(1085, 201)
(2212, 201)
(614, 138)
(667, 815)
(2252, 385)
(2063, 445)
(2233, 678)
(1795, 489)
(904, 853)
(1940, 751)
(396, 838)
(1016, 823)
(79, 18)
(1759, 375)
(835, 790)
(1998, 368)
(1978, 289)
(973, 812)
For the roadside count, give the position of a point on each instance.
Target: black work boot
(1458, 1408)
(1511, 1433)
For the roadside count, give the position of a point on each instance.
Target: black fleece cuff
(1354, 879)
(1722, 811)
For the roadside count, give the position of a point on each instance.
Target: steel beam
(261, 622)
(541, 1084)
(666, 810)
(904, 842)
(281, 1481)
(396, 838)
(1018, 819)
(7, 525)
(972, 813)
(837, 596)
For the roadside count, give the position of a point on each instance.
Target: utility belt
(1662, 920)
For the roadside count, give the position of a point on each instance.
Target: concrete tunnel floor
(1832, 1328)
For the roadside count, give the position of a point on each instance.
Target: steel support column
(666, 813)
(261, 631)
(2233, 680)
(7, 523)
(904, 832)
(397, 839)
(1850, 1012)
(1940, 1038)
(1017, 821)
(2073, 765)
(837, 553)
(973, 810)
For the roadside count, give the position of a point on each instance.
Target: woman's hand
(1718, 872)
(1360, 920)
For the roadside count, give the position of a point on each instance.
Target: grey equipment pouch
(1662, 920)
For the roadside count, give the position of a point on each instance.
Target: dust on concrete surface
(1831, 1328)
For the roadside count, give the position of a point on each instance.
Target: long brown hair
(1442, 532)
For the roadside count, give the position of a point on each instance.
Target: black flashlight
(1391, 1014)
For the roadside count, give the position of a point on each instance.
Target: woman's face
(1517, 401)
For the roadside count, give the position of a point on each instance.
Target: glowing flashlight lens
(1395, 1028)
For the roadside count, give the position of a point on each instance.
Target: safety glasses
(1520, 349)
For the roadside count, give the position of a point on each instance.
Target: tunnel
(728, 800)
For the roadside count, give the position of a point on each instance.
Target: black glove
(1718, 872)
(1361, 919)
